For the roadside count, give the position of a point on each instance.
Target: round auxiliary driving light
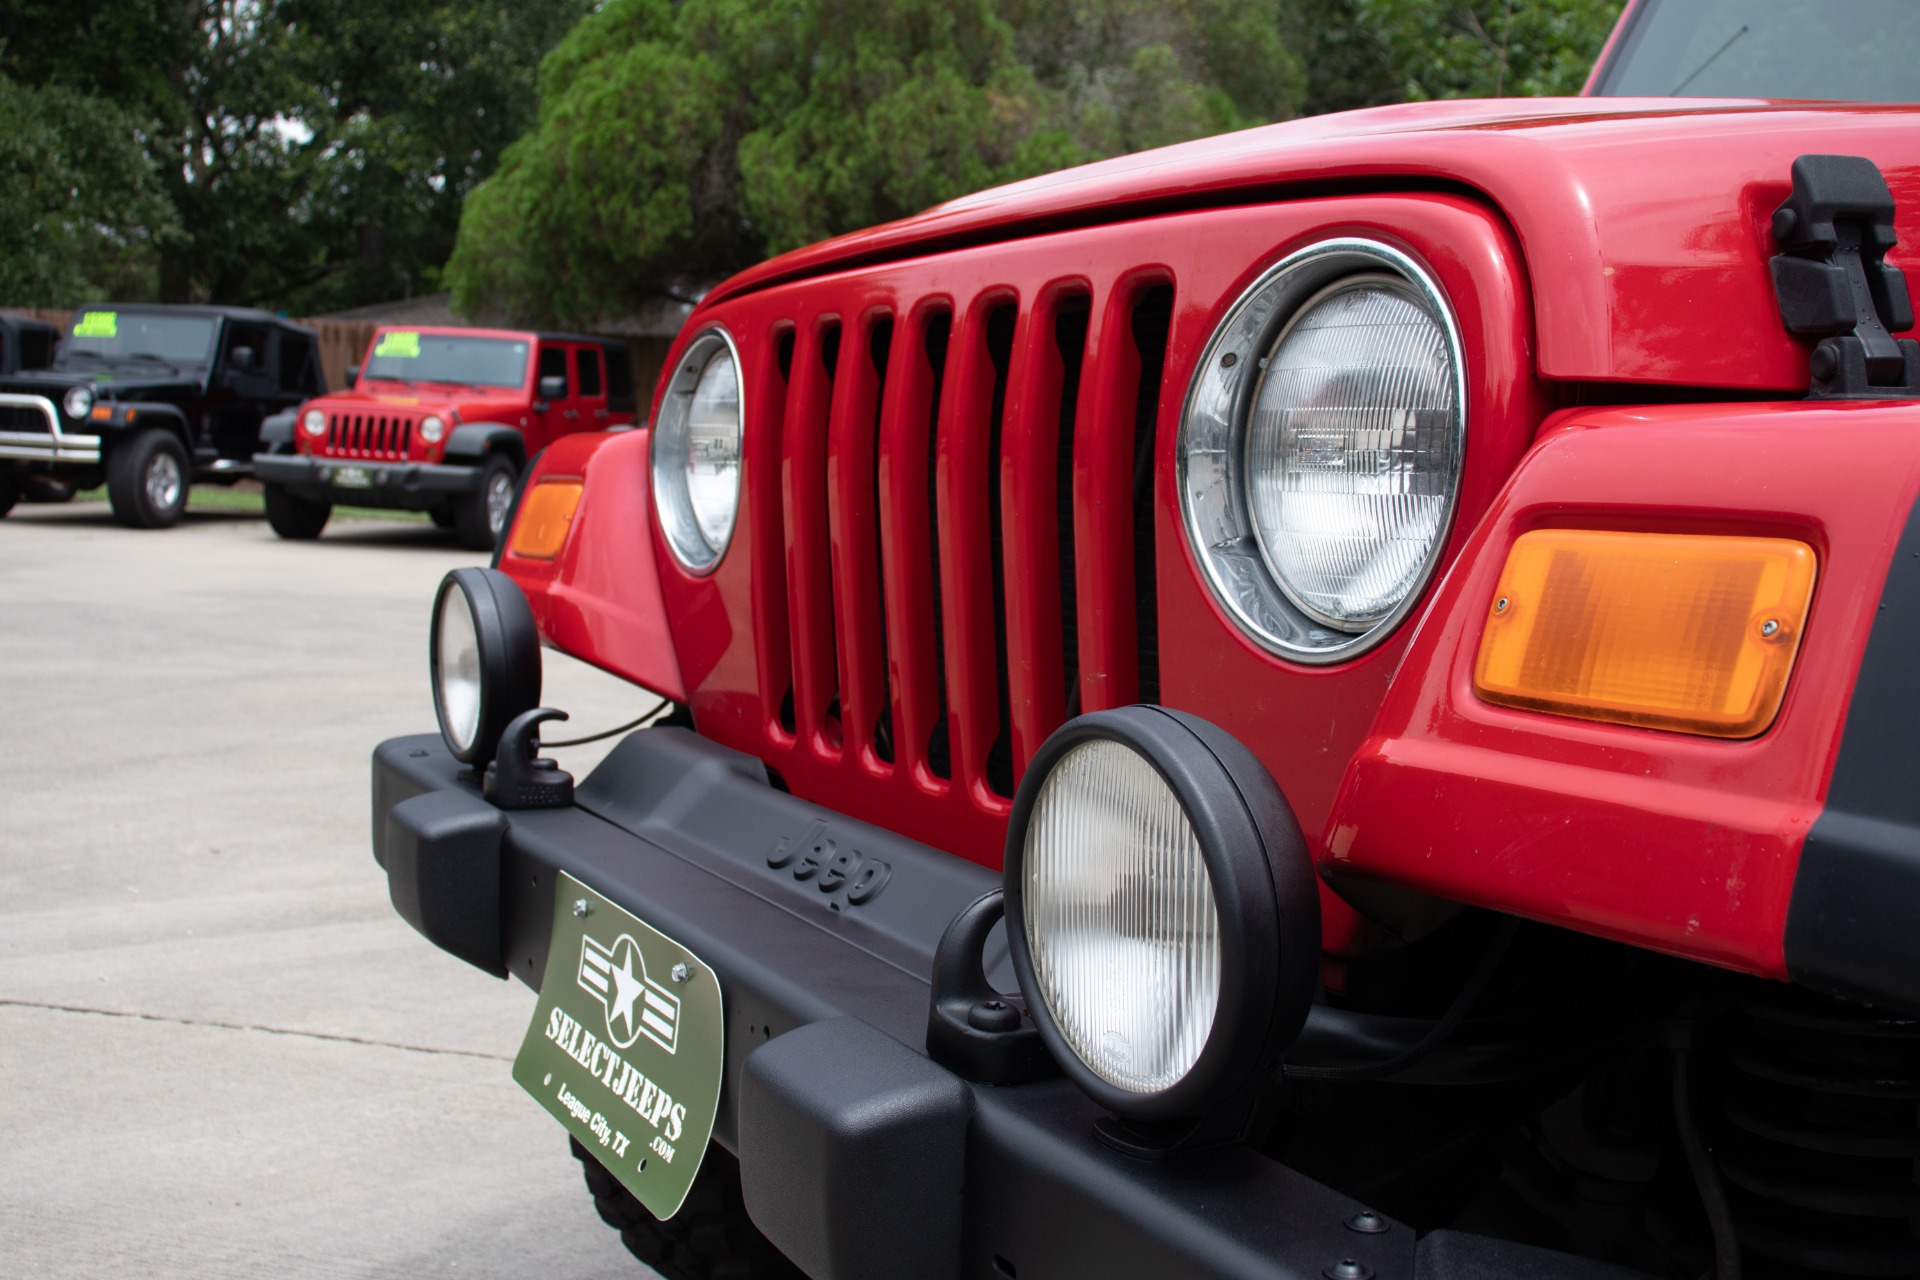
(1321, 448)
(485, 658)
(1162, 912)
(697, 441)
(78, 402)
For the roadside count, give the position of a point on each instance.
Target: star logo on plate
(635, 1004)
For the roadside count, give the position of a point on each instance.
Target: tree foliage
(1488, 48)
(680, 141)
(77, 196)
(310, 153)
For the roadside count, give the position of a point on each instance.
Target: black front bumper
(859, 1155)
(413, 485)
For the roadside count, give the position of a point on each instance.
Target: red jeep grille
(955, 561)
(363, 435)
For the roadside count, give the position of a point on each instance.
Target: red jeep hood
(393, 397)
(1644, 221)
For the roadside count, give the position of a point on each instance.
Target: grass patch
(245, 497)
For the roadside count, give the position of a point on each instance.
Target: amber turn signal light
(1665, 631)
(545, 516)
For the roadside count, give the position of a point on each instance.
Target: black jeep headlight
(1162, 912)
(484, 654)
(1321, 448)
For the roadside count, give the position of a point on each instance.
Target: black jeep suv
(151, 399)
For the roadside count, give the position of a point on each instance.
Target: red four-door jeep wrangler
(441, 420)
(1331, 702)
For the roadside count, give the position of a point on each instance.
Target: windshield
(407, 355)
(140, 335)
(1853, 50)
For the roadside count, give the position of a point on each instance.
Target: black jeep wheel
(147, 480)
(293, 517)
(711, 1238)
(9, 493)
(481, 517)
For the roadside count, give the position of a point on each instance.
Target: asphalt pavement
(221, 1052)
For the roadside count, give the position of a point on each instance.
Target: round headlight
(79, 402)
(696, 452)
(1322, 446)
(484, 655)
(1161, 910)
(432, 429)
(315, 422)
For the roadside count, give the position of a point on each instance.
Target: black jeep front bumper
(859, 1155)
(406, 485)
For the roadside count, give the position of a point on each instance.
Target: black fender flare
(476, 441)
(276, 431)
(139, 415)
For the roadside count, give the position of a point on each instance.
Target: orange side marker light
(546, 513)
(1695, 634)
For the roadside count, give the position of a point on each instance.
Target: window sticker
(401, 343)
(97, 324)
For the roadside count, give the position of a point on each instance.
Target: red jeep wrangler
(1332, 702)
(440, 420)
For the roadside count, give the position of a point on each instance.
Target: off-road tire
(479, 519)
(147, 480)
(293, 517)
(711, 1238)
(9, 493)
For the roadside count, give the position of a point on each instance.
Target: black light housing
(484, 655)
(1264, 894)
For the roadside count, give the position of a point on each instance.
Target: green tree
(681, 141)
(78, 199)
(1487, 48)
(313, 153)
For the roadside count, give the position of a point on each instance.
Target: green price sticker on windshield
(97, 324)
(403, 343)
(627, 1046)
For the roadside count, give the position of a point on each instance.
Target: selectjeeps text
(1332, 702)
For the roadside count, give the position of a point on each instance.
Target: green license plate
(627, 1046)
(353, 478)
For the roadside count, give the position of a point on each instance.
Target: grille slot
(1151, 323)
(1001, 324)
(774, 647)
(20, 418)
(811, 589)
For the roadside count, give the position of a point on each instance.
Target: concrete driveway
(221, 1052)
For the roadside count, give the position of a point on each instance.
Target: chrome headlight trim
(671, 446)
(1210, 455)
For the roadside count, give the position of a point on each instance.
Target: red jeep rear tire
(293, 517)
(480, 518)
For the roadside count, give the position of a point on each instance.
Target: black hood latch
(1834, 283)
